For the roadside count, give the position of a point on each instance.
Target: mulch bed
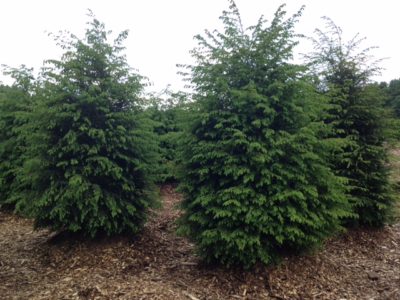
(157, 264)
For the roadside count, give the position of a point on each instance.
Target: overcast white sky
(161, 31)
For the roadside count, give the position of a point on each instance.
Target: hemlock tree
(357, 115)
(256, 181)
(15, 104)
(91, 159)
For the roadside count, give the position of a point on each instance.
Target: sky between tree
(161, 31)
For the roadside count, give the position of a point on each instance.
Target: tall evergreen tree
(256, 179)
(90, 165)
(358, 116)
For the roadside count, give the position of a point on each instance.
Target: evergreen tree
(15, 104)
(256, 181)
(169, 115)
(90, 160)
(359, 117)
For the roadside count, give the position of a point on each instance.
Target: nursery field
(286, 187)
(361, 264)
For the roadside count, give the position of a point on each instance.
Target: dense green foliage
(393, 100)
(256, 179)
(170, 116)
(15, 104)
(272, 156)
(90, 160)
(359, 117)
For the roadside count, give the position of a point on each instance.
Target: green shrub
(15, 105)
(169, 116)
(256, 181)
(393, 100)
(90, 162)
(358, 116)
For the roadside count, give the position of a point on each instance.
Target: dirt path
(157, 264)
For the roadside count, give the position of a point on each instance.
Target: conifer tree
(90, 162)
(357, 116)
(255, 181)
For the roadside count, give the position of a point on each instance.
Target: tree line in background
(271, 156)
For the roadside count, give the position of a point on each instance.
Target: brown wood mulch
(361, 264)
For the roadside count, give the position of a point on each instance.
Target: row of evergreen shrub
(271, 156)
(280, 155)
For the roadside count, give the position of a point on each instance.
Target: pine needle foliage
(90, 162)
(358, 117)
(255, 181)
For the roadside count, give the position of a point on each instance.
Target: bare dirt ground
(361, 264)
